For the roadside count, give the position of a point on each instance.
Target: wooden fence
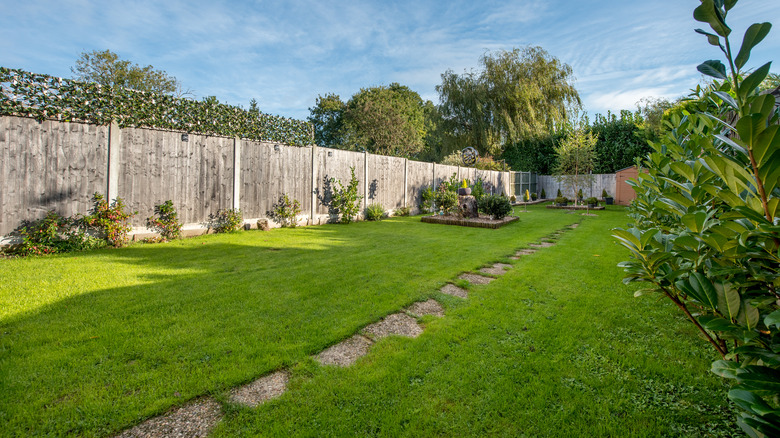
(54, 165)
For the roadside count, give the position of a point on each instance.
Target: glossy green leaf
(773, 319)
(750, 401)
(695, 221)
(759, 380)
(712, 39)
(708, 13)
(725, 368)
(729, 301)
(753, 35)
(717, 324)
(750, 83)
(713, 68)
(701, 289)
(766, 141)
(727, 98)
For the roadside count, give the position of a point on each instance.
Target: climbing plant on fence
(44, 97)
(707, 232)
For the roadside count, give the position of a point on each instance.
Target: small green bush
(513, 199)
(51, 234)
(560, 200)
(559, 194)
(592, 201)
(225, 220)
(110, 221)
(286, 211)
(403, 211)
(427, 197)
(346, 199)
(446, 201)
(495, 206)
(604, 194)
(544, 195)
(579, 194)
(478, 191)
(165, 221)
(533, 196)
(375, 212)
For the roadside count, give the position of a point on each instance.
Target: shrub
(453, 184)
(226, 220)
(561, 200)
(544, 195)
(705, 232)
(375, 212)
(165, 221)
(533, 196)
(592, 201)
(286, 211)
(110, 221)
(604, 194)
(403, 211)
(478, 191)
(513, 199)
(579, 194)
(559, 194)
(51, 234)
(427, 198)
(495, 206)
(346, 199)
(446, 200)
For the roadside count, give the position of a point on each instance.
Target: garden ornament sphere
(469, 156)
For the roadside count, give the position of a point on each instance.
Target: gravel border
(261, 390)
(195, 419)
(346, 352)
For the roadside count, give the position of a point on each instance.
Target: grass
(93, 343)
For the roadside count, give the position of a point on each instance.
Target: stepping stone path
(430, 307)
(346, 352)
(396, 324)
(476, 279)
(262, 389)
(451, 289)
(497, 269)
(196, 419)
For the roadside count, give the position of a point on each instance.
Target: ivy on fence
(44, 97)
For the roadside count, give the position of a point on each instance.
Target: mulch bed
(480, 222)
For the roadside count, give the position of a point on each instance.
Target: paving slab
(476, 279)
(430, 307)
(399, 324)
(542, 245)
(346, 352)
(574, 226)
(523, 252)
(261, 390)
(451, 289)
(192, 420)
(497, 269)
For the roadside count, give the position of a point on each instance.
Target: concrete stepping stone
(497, 269)
(476, 279)
(523, 252)
(399, 324)
(261, 390)
(346, 352)
(451, 289)
(196, 419)
(430, 307)
(573, 226)
(542, 245)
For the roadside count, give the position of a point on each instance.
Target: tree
(518, 94)
(619, 141)
(327, 117)
(107, 69)
(576, 158)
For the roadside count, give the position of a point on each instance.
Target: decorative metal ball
(469, 156)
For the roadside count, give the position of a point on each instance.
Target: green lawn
(92, 343)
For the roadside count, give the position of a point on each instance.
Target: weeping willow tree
(517, 94)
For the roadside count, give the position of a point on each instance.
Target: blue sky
(286, 53)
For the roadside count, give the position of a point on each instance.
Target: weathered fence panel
(54, 165)
(49, 165)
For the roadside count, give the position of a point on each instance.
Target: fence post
(433, 184)
(112, 177)
(406, 179)
(313, 182)
(236, 173)
(365, 180)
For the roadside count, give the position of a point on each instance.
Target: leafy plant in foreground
(375, 212)
(165, 221)
(346, 199)
(706, 232)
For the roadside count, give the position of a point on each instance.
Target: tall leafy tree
(105, 68)
(576, 158)
(517, 94)
(619, 141)
(327, 117)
